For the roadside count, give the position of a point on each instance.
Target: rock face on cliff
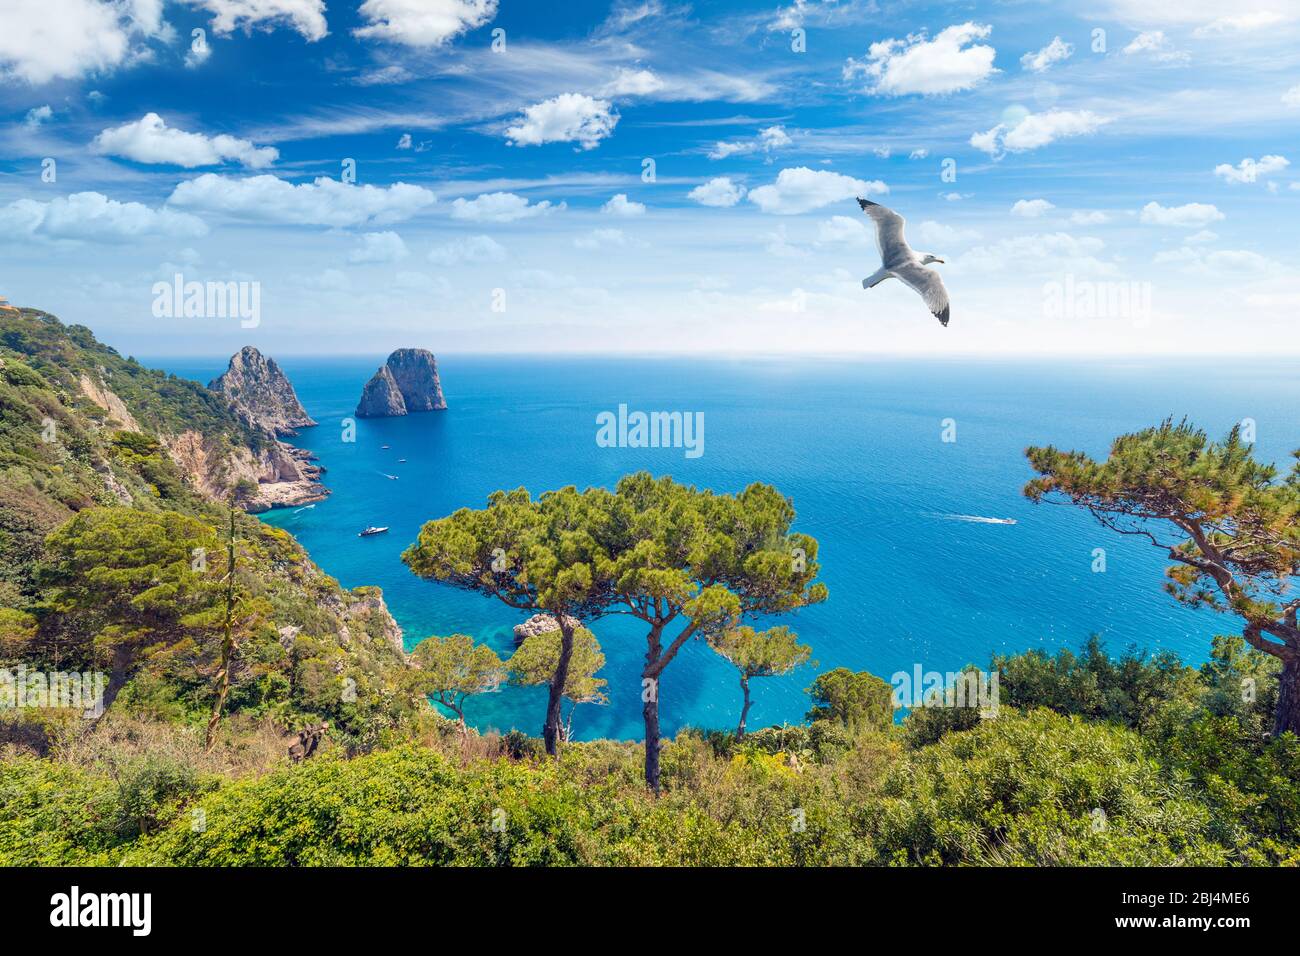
(281, 476)
(407, 382)
(260, 393)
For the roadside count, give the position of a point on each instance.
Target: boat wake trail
(977, 519)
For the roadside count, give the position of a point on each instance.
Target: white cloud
(1037, 129)
(470, 249)
(719, 192)
(1240, 23)
(1249, 171)
(404, 142)
(1031, 208)
(1292, 96)
(379, 247)
(323, 202)
(1155, 44)
(567, 118)
(633, 83)
(92, 216)
(693, 85)
(500, 207)
(150, 140)
(989, 142)
(1193, 215)
(43, 40)
(422, 23)
(620, 206)
(1040, 129)
(37, 115)
(800, 189)
(918, 153)
(1055, 52)
(1205, 235)
(767, 140)
(1089, 217)
(197, 55)
(915, 64)
(305, 16)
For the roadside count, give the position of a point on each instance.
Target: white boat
(371, 531)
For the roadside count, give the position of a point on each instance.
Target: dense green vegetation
(1034, 786)
(110, 559)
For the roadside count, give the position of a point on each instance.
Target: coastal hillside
(96, 387)
(115, 534)
(256, 713)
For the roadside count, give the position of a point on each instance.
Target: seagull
(898, 261)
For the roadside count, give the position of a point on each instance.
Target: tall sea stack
(260, 393)
(407, 382)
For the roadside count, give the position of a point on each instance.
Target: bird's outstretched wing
(930, 285)
(889, 232)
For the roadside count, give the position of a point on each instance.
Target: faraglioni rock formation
(260, 394)
(407, 382)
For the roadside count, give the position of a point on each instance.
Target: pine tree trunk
(119, 671)
(1287, 715)
(227, 643)
(744, 711)
(554, 703)
(650, 710)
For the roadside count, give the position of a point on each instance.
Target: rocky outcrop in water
(407, 382)
(381, 398)
(542, 624)
(260, 394)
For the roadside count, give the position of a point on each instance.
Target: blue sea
(857, 445)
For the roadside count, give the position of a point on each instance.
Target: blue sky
(1134, 157)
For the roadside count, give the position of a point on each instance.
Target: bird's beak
(940, 260)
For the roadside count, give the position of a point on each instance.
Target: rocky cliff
(260, 393)
(282, 476)
(407, 382)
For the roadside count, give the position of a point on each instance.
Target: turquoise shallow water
(857, 447)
